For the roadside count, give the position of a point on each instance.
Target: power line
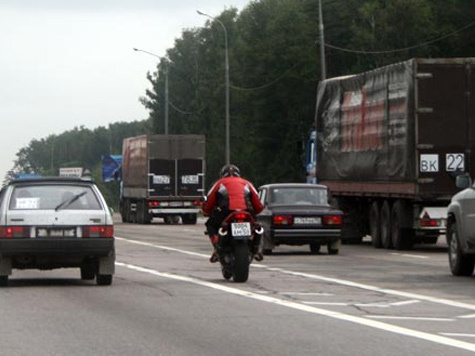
(400, 49)
(269, 83)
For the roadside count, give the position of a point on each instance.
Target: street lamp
(226, 79)
(166, 86)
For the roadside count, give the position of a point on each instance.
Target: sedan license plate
(71, 232)
(308, 221)
(241, 229)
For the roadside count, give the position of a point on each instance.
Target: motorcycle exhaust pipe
(222, 232)
(259, 231)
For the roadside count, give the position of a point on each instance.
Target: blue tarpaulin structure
(111, 165)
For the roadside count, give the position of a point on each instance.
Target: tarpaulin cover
(365, 129)
(111, 165)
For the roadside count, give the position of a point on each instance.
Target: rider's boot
(214, 241)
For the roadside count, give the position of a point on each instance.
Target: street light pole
(166, 87)
(226, 80)
(322, 41)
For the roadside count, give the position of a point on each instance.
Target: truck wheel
(385, 226)
(460, 264)
(401, 233)
(375, 225)
(189, 219)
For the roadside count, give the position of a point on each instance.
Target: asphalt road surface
(167, 299)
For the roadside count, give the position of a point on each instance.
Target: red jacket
(233, 193)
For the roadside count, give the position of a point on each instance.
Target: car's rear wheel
(3, 281)
(104, 279)
(460, 264)
(88, 271)
(334, 248)
(314, 247)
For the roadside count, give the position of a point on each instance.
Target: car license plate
(308, 221)
(56, 232)
(241, 229)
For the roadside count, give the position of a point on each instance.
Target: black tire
(375, 225)
(3, 281)
(314, 248)
(241, 263)
(401, 233)
(385, 225)
(227, 274)
(267, 251)
(88, 271)
(104, 279)
(460, 264)
(189, 219)
(332, 251)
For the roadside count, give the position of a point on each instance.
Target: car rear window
(59, 197)
(299, 196)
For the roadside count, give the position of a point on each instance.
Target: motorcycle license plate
(241, 229)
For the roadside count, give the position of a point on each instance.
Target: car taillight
(332, 220)
(282, 220)
(153, 204)
(9, 232)
(429, 223)
(98, 231)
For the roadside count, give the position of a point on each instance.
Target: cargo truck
(162, 176)
(390, 143)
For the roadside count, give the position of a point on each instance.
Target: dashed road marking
(409, 255)
(388, 305)
(338, 281)
(309, 309)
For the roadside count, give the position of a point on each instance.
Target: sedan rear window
(299, 196)
(58, 197)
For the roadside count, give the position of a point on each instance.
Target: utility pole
(322, 41)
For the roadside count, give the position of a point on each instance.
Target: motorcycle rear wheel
(241, 263)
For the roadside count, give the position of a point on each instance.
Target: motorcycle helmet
(230, 170)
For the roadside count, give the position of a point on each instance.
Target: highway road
(167, 299)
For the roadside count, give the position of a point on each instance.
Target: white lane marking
(409, 255)
(342, 282)
(309, 309)
(457, 334)
(308, 294)
(469, 316)
(329, 303)
(387, 305)
(408, 318)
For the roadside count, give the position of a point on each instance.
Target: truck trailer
(390, 143)
(162, 176)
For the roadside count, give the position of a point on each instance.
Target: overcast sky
(68, 63)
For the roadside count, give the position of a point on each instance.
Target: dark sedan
(299, 214)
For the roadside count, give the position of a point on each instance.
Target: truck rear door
(444, 117)
(190, 177)
(162, 178)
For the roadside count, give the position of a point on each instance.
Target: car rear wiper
(69, 201)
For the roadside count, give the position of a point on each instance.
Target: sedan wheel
(460, 264)
(314, 248)
(104, 279)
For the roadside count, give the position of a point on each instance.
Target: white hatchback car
(48, 223)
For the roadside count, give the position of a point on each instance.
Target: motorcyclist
(230, 193)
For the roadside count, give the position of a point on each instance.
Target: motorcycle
(239, 239)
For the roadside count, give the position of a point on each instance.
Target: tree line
(274, 70)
